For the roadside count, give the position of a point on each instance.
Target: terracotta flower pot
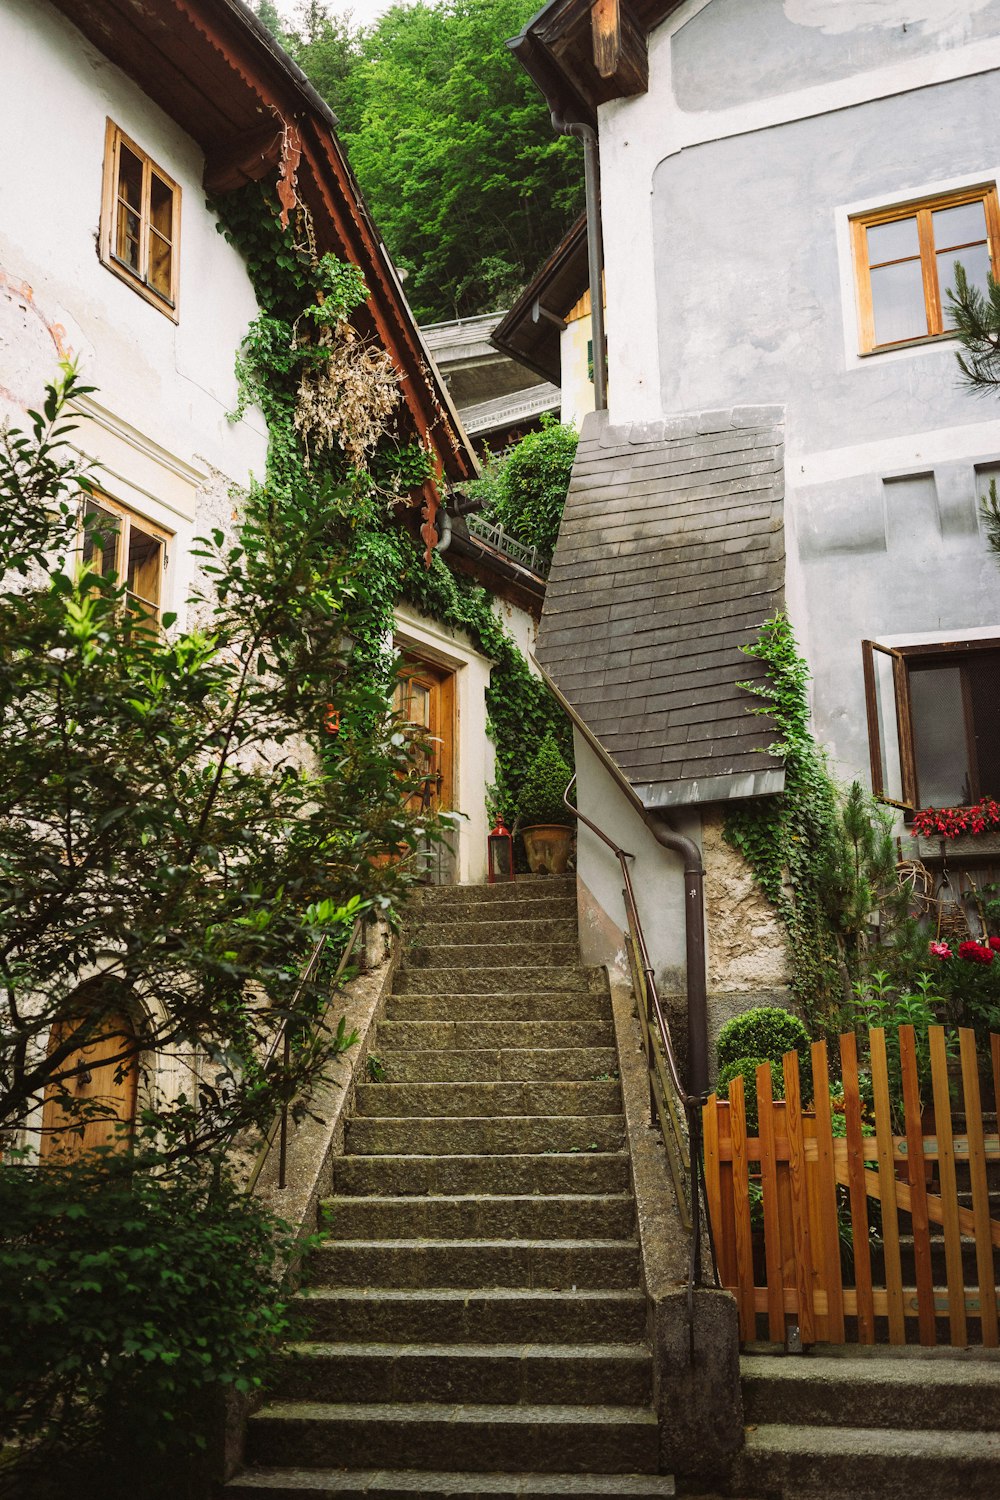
(547, 846)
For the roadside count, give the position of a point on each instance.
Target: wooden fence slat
(772, 1222)
(919, 1221)
(829, 1246)
(980, 1189)
(949, 1188)
(801, 1238)
(887, 1185)
(857, 1189)
(724, 1118)
(741, 1212)
(995, 1054)
(713, 1185)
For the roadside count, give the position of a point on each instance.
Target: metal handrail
(690, 1151)
(279, 1125)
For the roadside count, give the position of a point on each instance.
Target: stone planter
(547, 846)
(982, 846)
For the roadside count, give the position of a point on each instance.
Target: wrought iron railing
(519, 552)
(278, 1129)
(678, 1111)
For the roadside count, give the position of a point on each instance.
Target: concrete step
(868, 1463)
(469, 1100)
(497, 1439)
(484, 1137)
(322, 1484)
(500, 1374)
(898, 1393)
(553, 1217)
(533, 1006)
(512, 980)
(551, 1264)
(537, 888)
(485, 955)
(484, 1034)
(463, 1316)
(506, 931)
(500, 1064)
(580, 1172)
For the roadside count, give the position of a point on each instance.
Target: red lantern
(501, 854)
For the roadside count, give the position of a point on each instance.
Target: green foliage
(525, 488)
(128, 1306)
(158, 833)
(975, 317)
(451, 142)
(746, 1068)
(767, 1031)
(803, 855)
(541, 796)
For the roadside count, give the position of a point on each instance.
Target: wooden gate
(855, 1223)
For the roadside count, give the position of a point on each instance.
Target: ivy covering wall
(300, 363)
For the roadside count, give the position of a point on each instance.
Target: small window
(904, 259)
(140, 222)
(934, 722)
(119, 544)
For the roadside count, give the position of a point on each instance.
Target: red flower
(994, 943)
(949, 822)
(975, 953)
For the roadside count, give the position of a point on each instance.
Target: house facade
(785, 189)
(138, 119)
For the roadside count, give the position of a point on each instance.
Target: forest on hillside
(450, 140)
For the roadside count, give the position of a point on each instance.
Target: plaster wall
(728, 190)
(157, 421)
(576, 384)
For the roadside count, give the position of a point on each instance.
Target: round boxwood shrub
(769, 1032)
(746, 1068)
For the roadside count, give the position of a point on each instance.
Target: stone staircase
(477, 1316)
(872, 1424)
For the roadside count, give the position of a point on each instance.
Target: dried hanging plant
(346, 395)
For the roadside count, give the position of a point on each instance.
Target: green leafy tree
(451, 142)
(976, 318)
(541, 796)
(171, 844)
(525, 488)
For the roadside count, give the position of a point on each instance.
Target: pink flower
(941, 950)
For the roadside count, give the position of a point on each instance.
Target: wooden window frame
(921, 209)
(129, 517)
(902, 657)
(115, 138)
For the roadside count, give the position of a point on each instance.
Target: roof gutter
(595, 247)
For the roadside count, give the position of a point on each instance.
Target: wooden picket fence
(919, 1199)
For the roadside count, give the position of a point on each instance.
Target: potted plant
(545, 823)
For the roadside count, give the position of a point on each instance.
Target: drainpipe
(694, 934)
(444, 531)
(595, 251)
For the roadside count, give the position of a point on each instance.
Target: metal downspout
(694, 942)
(595, 249)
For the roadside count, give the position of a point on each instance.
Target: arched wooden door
(425, 698)
(105, 1091)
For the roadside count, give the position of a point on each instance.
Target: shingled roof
(670, 558)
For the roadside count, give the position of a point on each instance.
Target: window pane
(975, 262)
(161, 204)
(888, 730)
(127, 240)
(101, 537)
(983, 675)
(898, 302)
(159, 264)
(145, 565)
(130, 178)
(892, 241)
(959, 226)
(939, 739)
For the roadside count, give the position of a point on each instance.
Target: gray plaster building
(786, 186)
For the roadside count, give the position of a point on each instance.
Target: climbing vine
(311, 374)
(789, 840)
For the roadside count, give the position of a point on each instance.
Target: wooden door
(106, 1085)
(425, 698)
